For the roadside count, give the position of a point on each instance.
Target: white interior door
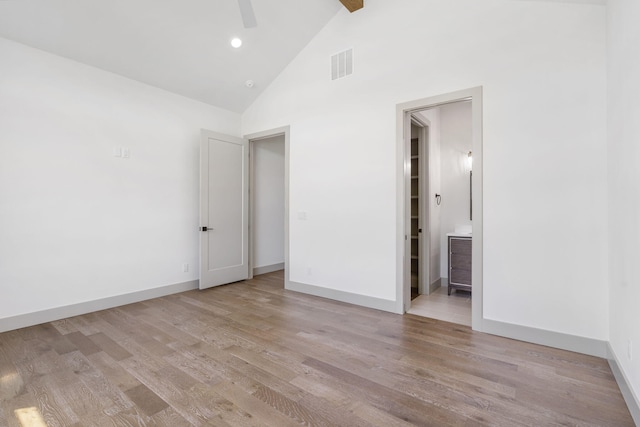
(224, 209)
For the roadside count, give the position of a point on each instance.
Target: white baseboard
(362, 300)
(582, 345)
(268, 269)
(57, 313)
(590, 346)
(437, 284)
(630, 398)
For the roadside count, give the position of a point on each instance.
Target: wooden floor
(454, 308)
(252, 353)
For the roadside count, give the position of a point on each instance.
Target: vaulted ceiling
(182, 46)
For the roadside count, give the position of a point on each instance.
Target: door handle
(206, 229)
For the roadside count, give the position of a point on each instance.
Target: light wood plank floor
(454, 308)
(252, 353)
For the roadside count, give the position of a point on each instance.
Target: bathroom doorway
(442, 140)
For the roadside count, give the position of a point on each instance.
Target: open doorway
(441, 186)
(441, 207)
(269, 202)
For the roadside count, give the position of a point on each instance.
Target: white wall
(624, 184)
(455, 144)
(542, 68)
(268, 198)
(78, 224)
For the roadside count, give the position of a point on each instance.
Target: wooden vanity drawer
(459, 263)
(460, 246)
(459, 276)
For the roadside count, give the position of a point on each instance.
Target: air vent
(342, 64)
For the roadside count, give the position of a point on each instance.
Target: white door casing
(224, 209)
(403, 279)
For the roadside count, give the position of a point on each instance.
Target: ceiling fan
(249, 17)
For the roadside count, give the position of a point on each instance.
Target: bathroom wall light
(236, 42)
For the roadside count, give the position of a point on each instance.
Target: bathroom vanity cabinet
(459, 262)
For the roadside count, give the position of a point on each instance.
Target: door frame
(255, 137)
(424, 205)
(403, 198)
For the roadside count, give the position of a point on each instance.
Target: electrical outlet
(126, 153)
(185, 267)
(630, 350)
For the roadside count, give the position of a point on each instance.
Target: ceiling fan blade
(246, 11)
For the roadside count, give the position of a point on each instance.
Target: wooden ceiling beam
(353, 5)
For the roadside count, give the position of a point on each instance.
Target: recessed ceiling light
(236, 42)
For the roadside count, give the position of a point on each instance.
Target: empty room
(225, 212)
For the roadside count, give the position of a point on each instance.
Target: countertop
(459, 234)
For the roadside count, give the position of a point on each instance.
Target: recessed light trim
(236, 42)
